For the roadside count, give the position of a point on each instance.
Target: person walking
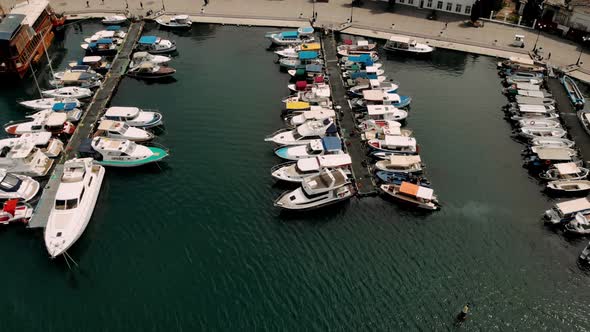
(549, 56)
(141, 5)
(87, 4)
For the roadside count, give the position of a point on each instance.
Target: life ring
(547, 162)
(532, 123)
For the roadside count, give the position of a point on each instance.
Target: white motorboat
(530, 108)
(535, 101)
(296, 171)
(533, 93)
(518, 79)
(319, 147)
(405, 44)
(118, 152)
(532, 132)
(580, 224)
(315, 113)
(16, 186)
(133, 116)
(546, 151)
(13, 210)
(585, 254)
(374, 84)
(534, 116)
(74, 203)
(140, 57)
(97, 63)
(554, 142)
(24, 158)
(47, 103)
(379, 97)
(391, 128)
(289, 38)
(394, 144)
(118, 129)
(565, 211)
(115, 33)
(539, 122)
(150, 71)
(412, 194)
(570, 187)
(318, 93)
(51, 147)
(565, 171)
(68, 92)
(316, 191)
(155, 45)
(114, 19)
(400, 164)
(44, 121)
(305, 31)
(304, 86)
(351, 48)
(584, 117)
(368, 125)
(176, 22)
(77, 79)
(293, 51)
(304, 133)
(386, 112)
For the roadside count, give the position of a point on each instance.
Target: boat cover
(297, 105)
(113, 28)
(400, 141)
(148, 40)
(308, 55)
(306, 29)
(311, 47)
(334, 160)
(10, 206)
(567, 168)
(300, 85)
(363, 58)
(332, 128)
(318, 79)
(331, 143)
(416, 191)
(289, 34)
(373, 95)
(380, 109)
(404, 160)
(347, 42)
(104, 41)
(71, 76)
(313, 68)
(553, 154)
(575, 205)
(299, 72)
(63, 106)
(56, 119)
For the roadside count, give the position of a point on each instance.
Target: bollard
(519, 19)
(491, 14)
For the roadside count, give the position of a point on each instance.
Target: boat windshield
(130, 148)
(31, 156)
(296, 135)
(311, 150)
(123, 129)
(66, 204)
(10, 183)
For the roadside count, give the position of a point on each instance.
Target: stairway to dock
(363, 179)
(86, 125)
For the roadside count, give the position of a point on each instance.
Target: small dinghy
(114, 19)
(553, 142)
(579, 225)
(539, 122)
(400, 164)
(565, 211)
(150, 71)
(17, 186)
(68, 92)
(119, 129)
(296, 171)
(584, 117)
(412, 194)
(565, 171)
(15, 211)
(117, 152)
(155, 45)
(573, 92)
(394, 144)
(319, 147)
(570, 187)
(47, 103)
(176, 22)
(303, 134)
(532, 132)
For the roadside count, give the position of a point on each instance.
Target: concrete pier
(86, 125)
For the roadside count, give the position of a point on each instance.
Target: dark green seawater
(197, 245)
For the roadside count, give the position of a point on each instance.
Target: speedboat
(573, 92)
(304, 133)
(580, 224)
(289, 38)
(317, 191)
(387, 87)
(103, 46)
(535, 100)
(13, 210)
(150, 71)
(565, 171)
(72, 92)
(118, 152)
(317, 113)
(570, 187)
(96, 62)
(75, 200)
(16, 186)
(296, 171)
(133, 116)
(412, 194)
(379, 97)
(176, 22)
(394, 144)
(47, 103)
(77, 79)
(155, 45)
(584, 117)
(119, 129)
(140, 57)
(539, 122)
(51, 147)
(114, 32)
(44, 121)
(400, 164)
(293, 51)
(114, 19)
(565, 211)
(303, 58)
(398, 178)
(532, 132)
(405, 44)
(326, 146)
(351, 48)
(554, 142)
(24, 158)
(386, 112)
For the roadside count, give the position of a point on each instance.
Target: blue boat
(73, 114)
(304, 58)
(325, 145)
(103, 46)
(573, 92)
(398, 178)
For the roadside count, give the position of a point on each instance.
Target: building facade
(574, 14)
(462, 7)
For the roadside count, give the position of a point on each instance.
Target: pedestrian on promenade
(87, 4)
(446, 24)
(102, 1)
(549, 56)
(206, 2)
(141, 5)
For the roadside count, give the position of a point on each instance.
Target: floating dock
(86, 125)
(363, 179)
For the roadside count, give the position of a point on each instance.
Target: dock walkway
(86, 125)
(362, 176)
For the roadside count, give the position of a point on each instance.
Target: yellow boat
(297, 105)
(311, 47)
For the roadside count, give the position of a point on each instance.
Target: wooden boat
(412, 194)
(570, 187)
(565, 171)
(584, 117)
(573, 92)
(150, 71)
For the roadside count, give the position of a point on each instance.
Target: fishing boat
(394, 144)
(13, 210)
(77, 79)
(412, 194)
(155, 45)
(552, 142)
(580, 224)
(24, 158)
(520, 64)
(585, 254)
(584, 117)
(104, 46)
(326, 146)
(96, 62)
(45, 121)
(543, 157)
(289, 38)
(565, 211)
(114, 19)
(141, 57)
(317, 113)
(47, 103)
(303, 134)
(75, 200)
(387, 87)
(539, 122)
(116, 152)
(569, 187)
(398, 178)
(532, 132)
(70, 92)
(303, 58)
(316, 191)
(293, 51)
(77, 69)
(150, 71)
(349, 47)
(379, 97)
(113, 32)
(400, 164)
(73, 113)
(565, 171)
(176, 22)
(296, 171)
(16, 186)
(133, 116)
(509, 80)
(573, 92)
(405, 44)
(119, 129)
(386, 112)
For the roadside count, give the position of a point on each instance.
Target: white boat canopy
(56, 119)
(528, 86)
(331, 160)
(405, 161)
(567, 168)
(574, 205)
(533, 109)
(401, 141)
(525, 61)
(373, 95)
(425, 193)
(321, 113)
(371, 69)
(91, 59)
(119, 111)
(380, 109)
(553, 154)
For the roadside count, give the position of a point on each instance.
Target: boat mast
(45, 51)
(36, 82)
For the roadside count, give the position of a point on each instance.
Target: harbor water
(195, 243)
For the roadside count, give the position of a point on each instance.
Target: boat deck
(363, 180)
(86, 125)
(569, 117)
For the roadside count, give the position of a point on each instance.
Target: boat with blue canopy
(103, 46)
(155, 45)
(289, 38)
(318, 147)
(573, 92)
(72, 111)
(304, 58)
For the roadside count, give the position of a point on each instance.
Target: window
(67, 204)
(467, 9)
(410, 2)
(401, 1)
(429, 4)
(458, 8)
(449, 6)
(439, 5)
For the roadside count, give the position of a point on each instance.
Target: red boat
(15, 211)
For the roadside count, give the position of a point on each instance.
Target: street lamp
(351, 9)
(536, 41)
(584, 40)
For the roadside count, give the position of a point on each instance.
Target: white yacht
(133, 116)
(316, 191)
(303, 134)
(384, 112)
(289, 38)
(118, 152)
(565, 211)
(296, 171)
(533, 132)
(114, 32)
(68, 92)
(316, 113)
(400, 164)
(114, 19)
(565, 171)
(25, 158)
(16, 186)
(374, 84)
(395, 144)
(51, 147)
(412, 194)
(580, 224)
(74, 203)
(44, 121)
(140, 57)
(554, 142)
(176, 22)
(118, 129)
(47, 103)
(293, 51)
(319, 147)
(405, 44)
